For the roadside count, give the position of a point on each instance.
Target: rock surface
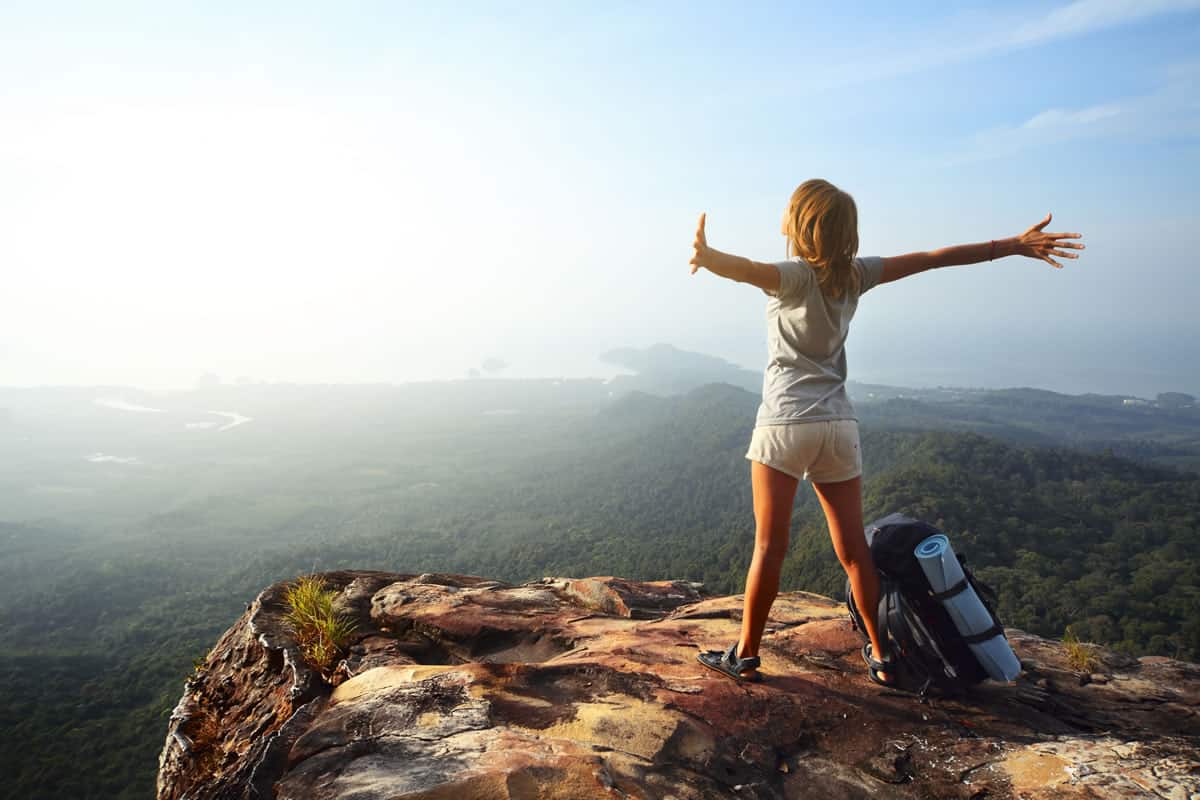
(466, 688)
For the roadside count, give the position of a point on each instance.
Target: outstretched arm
(736, 268)
(1033, 243)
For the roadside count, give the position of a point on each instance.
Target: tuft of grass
(321, 633)
(1080, 656)
(198, 667)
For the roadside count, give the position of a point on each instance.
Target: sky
(347, 192)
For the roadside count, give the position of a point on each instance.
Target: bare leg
(774, 493)
(842, 503)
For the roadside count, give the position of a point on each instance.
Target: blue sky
(386, 191)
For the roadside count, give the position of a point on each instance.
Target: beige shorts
(822, 451)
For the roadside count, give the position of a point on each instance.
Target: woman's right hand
(700, 249)
(1035, 243)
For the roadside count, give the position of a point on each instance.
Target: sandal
(875, 667)
(729, 664)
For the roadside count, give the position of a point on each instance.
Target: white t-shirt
(805, 377)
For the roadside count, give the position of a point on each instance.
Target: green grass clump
(198, 665)
(1079, 655)
(321, 633)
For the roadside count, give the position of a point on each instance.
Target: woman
(806, 428)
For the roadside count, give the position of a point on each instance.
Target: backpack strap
(883, 609)
(957, 588)
(990, 633)
(985, 593)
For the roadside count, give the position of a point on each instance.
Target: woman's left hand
(1036, 243)
(699, 248)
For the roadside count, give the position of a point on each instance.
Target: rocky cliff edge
(457, 687)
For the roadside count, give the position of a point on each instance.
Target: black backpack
(922, 640)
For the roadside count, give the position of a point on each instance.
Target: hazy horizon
(397, 194)
(1079, 381)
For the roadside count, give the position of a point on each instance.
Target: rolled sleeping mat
(966, 610)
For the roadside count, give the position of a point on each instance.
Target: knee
(772, 547)
(770, 554)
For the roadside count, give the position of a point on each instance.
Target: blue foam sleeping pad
(966, 610)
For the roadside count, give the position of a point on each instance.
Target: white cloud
(958, 41)
(1171, 110)
(1059, 118)
(1085, 16)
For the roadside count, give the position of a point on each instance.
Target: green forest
(108, 597)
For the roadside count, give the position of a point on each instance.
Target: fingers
(700, 243)
(1037, 243)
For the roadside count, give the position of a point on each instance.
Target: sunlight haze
(385, 193)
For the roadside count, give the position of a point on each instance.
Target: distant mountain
(1144, 430)
(665, 369)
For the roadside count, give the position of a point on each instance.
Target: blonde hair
(821, 225)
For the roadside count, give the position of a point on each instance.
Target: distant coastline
(121, 404)
(669, 367)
